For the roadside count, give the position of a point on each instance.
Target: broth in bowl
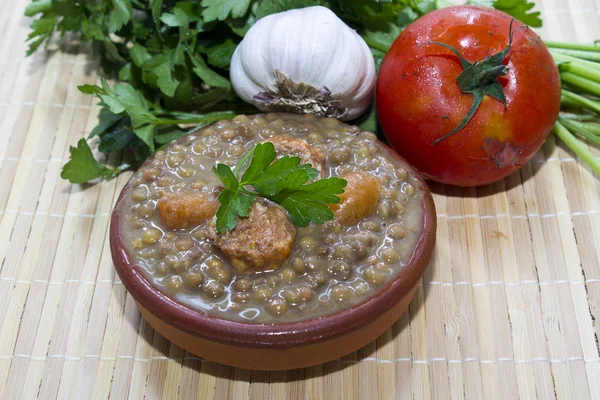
(267, 270)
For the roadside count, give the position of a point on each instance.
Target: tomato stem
(578, 147)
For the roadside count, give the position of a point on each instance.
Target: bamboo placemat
(509, 307)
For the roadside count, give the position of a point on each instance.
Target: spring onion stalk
(584, 55)
(579, 66)
(575, 117)
(580, 101)
(581, 82)
(578, 147)
(573, 46)
(585, 131)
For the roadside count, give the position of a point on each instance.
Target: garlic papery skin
(304, 61)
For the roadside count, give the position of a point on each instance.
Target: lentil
(193, 280)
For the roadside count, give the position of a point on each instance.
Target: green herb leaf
(120, 15)
(106, 120)
(209, 76)
(139, 54)
(520, 9)
(124, 98)
(308, 203)
(90, 89)
(264, 154)
(156, 9)
(221, 9)
(42, 29)
(37, 7)
(161, 66)
(226, 176)
(176, 19)
(284, 173)
(116, 140)
(233, 203)
(220, 54)
(82, 167)
(282, 181)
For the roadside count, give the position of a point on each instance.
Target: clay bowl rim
(243, 334)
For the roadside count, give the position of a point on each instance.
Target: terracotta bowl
(277, 346)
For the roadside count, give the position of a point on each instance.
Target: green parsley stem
(242, 162)
(121, 168)
(578, 147)
(246, 191)
(197, 118)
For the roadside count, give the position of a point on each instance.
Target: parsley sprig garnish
(284, 182)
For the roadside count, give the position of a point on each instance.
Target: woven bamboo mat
(509, 307)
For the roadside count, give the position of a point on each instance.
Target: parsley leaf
(285, 172)
(221, 9)
(117, 139)
(282, 181)
(209, 76)
(42, 29)
(120, 15)
(233, 203)
(178, 18)
(82, 166)
(125, 99)
(306, 203)
(220, 55)
(520, 9)
(226, 176)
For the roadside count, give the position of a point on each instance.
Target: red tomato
(419, 99)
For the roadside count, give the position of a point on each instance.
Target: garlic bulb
(304, 61)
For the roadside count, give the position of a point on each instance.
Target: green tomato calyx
(480, 79)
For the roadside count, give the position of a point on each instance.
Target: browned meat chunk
(260, 242)
(185, 209)
(360, 198)
(289, 146)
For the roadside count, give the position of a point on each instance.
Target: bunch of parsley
(172, 60)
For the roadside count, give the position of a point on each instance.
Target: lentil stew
(167, 223)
